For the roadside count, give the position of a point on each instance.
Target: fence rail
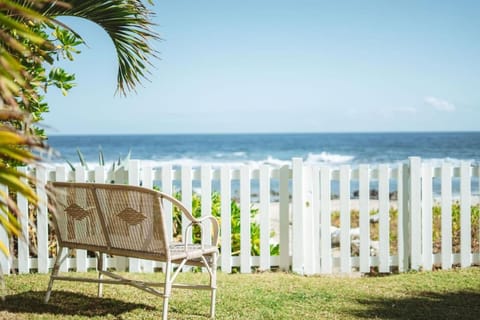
(296, 202)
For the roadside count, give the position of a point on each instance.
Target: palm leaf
(82, 159)
(15, 17)
(70, 165)
(129, 25)
(101, 159)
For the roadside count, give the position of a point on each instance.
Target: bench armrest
(194, 221)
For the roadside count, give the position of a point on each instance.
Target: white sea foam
(328, 158)
(311, 159)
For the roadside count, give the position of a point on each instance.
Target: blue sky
(285, 66)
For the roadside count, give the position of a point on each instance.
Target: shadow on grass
(426, 305)
(67, 303)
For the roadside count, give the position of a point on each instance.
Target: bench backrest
(116, 219)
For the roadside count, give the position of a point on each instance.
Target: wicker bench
(127, 221)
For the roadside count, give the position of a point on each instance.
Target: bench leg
(167, 290)
(100, 268)
(56, 268)
(213, 284)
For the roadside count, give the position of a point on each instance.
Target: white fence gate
(296, 202)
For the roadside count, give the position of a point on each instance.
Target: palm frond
(129, 25)
(16, 18)
(101, 158)
(81, 158)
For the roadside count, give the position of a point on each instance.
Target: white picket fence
(303, 195)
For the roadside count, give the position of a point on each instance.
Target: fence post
(403, 218)
(297, 215)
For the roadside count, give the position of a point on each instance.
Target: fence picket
(446, 189)
(100, 176)
(264, 208)
(23, 258)
(403, 219)
(310, 231)
(187, 195)
(345, 220)
(284, 202)
(325, 221)
(226, 227)
(465, 215)
(186, 175)
(167, 187)
(81, 255)
(42, 222)
(415, 212)
(364, 223)
(134, 264)
(245, 255)
(384, 219)
(297, 216)
(61, 176)
(427, 206)
(147, 182)
(316, 222)
(206, 206)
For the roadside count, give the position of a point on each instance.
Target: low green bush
(235, 224)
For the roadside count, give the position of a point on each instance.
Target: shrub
(235, 224)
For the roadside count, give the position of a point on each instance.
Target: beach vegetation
(32, 39)
(436, 226)
(235, 223)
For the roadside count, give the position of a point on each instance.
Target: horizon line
(263, 133)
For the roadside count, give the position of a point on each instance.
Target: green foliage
(31, 39)
(456, 225)
(33, 96)
(121, 162)
(235, 223)
(68, 42)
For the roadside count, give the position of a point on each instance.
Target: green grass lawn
(453, 294)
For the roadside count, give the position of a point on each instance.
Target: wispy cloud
(440, 104)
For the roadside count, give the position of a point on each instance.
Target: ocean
(332, 149)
